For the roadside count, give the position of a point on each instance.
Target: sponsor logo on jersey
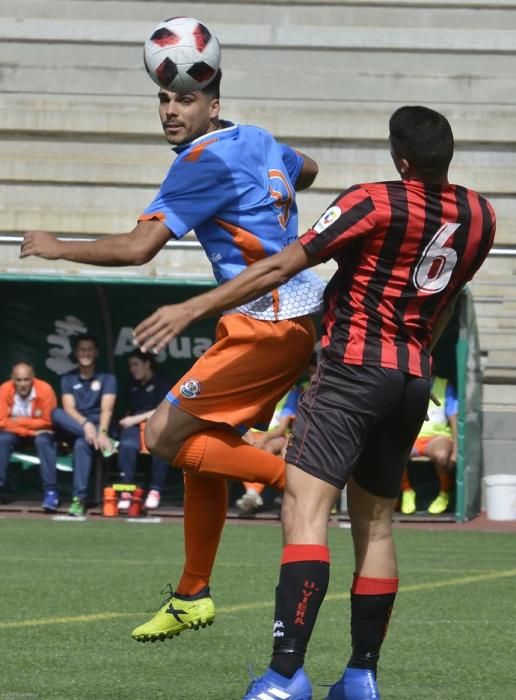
(190, 389)
(327, 219)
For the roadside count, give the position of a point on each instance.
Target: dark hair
(144, 357)
(213, 88)
(84, 336)
(423, 137)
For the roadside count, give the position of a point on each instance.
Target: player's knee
(158, 440)
(441, 457)
(301, 521)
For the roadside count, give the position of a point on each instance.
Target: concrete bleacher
(82, 150)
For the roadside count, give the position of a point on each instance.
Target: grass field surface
(72, 592)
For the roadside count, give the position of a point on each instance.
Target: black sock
(303, 582)
(203, 593)
(371, 609)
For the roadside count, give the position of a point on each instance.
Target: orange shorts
(419, 447)
(250, 367)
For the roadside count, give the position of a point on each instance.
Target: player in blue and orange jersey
(404, 248)
(235, 186)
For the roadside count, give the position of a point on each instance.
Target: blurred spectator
(146, 390)
(26, 404)
(88, 399)
(437, 440)
(275, 439)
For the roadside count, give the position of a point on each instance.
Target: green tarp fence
(39, 319)
(38, 322)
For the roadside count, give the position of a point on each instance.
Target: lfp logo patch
(190, 389)
(327, 219)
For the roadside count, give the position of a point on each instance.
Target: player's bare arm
(168, 321)
(90, 431)
(107, 406)
(308, 173)
(129, 421)
(134, 248)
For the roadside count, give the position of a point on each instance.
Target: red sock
(255, 485)
(215, 453)
(445, 481)
(205, 507)
(372, 600)
(223, 453)
(405, 483)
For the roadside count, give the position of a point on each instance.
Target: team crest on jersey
(190, 389)
(327, 219)
(96, 385)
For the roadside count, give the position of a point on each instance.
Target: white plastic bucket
(500, 491)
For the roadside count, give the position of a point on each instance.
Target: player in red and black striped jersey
(404, 251)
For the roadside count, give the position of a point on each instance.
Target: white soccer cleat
(152, 500)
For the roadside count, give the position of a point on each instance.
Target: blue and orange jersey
(235, 188)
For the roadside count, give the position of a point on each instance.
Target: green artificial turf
(72, 591)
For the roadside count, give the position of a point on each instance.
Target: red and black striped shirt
(403, 249)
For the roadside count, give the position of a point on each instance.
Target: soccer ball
(182, 55)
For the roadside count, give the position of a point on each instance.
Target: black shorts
(358, 421)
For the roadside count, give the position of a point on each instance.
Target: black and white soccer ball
(182, 55)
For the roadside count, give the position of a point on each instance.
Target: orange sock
(223, 453)
(216, 453)
(205, 507)
(445, 481)
(405, 483)
(256, 486)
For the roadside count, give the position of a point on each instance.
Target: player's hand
(260, 440)
(103, 442)
(152, 334)
(40, 243)
(128, 421)
(434, 399)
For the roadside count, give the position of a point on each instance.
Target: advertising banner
(39, 321)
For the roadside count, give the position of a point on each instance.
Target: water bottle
(135, 509)
(110, 503)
